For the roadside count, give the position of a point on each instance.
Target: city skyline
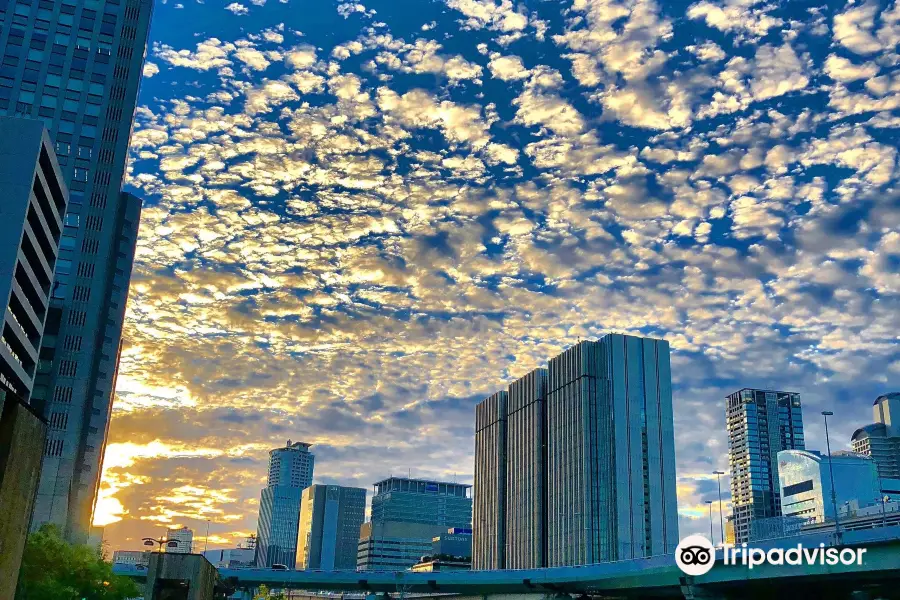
(350, 235)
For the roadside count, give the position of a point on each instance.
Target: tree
(53, 569)
(262, 593)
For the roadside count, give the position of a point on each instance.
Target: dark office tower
(610, 452)
(32, 208)
(489, 507)
(76, 65)
(760, 423)
(526, 476)
(330, 519)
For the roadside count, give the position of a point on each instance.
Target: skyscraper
(33, 201)
(406, 516)
(761, 423)
(76, 65)
(290, 472)
(610, 452)
(489, 511)
(526, 473)
(184, 536)
(881, 439)
(330, 518)
(589, 459)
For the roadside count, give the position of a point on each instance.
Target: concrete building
(33, 202)
(526, 474)
(131, 557)
(881, 439)
(430, 564)
(330, 520)
(407, 514)
(290, 472)
(184, 536)
(760, 423)
(76, 66)
(805, 479)
(489, 510)
(610, 452)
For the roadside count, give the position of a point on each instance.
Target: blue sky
(362, 218)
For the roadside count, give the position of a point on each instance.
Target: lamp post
(161, 541)
(206, 539)
(712, 540)
(837, 519)
(721, 520)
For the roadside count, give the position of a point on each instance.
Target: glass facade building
(489, 511)
(611, 488)
(406, 516)
(330, 520)
(881, 439)
(805, 484)
(526, 474)
(760, 423)
(290, 472)
(76, 65)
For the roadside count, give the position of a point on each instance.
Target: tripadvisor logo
(695, 555)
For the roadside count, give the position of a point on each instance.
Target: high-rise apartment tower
(76, 65)
(330, 518)
(881, 439)
(761, 423)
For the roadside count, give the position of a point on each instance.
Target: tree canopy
(53, 569)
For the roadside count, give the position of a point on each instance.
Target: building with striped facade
(489, 506)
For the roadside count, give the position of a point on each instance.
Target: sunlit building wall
(881, 439)
(330, 520)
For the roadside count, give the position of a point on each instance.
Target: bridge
(654, 577)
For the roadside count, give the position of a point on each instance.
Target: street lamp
(721, 520)
(837, 519)
(712, 540)
(161, 541)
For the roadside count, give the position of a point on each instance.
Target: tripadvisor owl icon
(695, 555)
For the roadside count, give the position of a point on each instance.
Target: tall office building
(489, 510)
(760, 423)
(526, 473)
(881, 439)
(406, 516)
(290, 472)
(610, 452)
(330, 519)
(33, 201)
(76, 65)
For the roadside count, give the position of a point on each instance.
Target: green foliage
(53, 569)
(262, 593)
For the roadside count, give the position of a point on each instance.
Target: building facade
(131, 557)
(805, 480)
(184, 536)
(33, 202)
(881, 439)
(526, 475)
(76, 65)
(760, 423)
(33, 207)
(489, 510)
(406, 516)
(290, 472)
(231, 558)
(611, 488)
(330, 520)
(455, 542)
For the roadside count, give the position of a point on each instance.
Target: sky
(361, 219)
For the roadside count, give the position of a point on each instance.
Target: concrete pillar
(180, 577)
(22, 436)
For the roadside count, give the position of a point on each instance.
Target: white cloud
(853, 29)
(842, 69)
(237, 8)
(498, 16)
(507, 68)
(150, 69)
(252, 58)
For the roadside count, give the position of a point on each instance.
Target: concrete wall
(180, 577)
(22, 435)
